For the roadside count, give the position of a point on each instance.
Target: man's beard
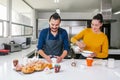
(54, 29)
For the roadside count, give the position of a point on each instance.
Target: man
(53, 41)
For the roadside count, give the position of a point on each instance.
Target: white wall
(115, 32)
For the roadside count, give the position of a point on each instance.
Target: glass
(57, 68)
(89, 61)
(15, 62)
(36, 55)
(73, 63)
(111, 62)
(24, 60)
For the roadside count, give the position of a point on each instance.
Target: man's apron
(53, 47)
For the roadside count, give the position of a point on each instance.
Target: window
(20, 30)
(17, 30)
(3, 17)
(21, 12)
(28, 30)
(3, 9)
(1, 29)
(21, 18)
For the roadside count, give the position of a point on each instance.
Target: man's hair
(55, 16)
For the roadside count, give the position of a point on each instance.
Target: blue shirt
(43, 36)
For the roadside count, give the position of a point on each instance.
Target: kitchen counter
(67, 72)
(17, 55)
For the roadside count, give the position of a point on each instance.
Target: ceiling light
(56, 1)
(58, 11)
(118, 12)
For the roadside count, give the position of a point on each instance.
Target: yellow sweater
(98, 43)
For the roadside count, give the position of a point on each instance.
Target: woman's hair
(99, 17)
(55, 16)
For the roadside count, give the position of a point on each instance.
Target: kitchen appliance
(12, 47)
(25, 42)
(4, 52)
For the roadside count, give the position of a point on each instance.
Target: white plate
(86, 53)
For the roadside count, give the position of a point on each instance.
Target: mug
(89, 61)
(110, 62)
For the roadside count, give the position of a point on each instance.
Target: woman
(93, 39)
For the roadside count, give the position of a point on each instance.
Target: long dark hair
(99, 17)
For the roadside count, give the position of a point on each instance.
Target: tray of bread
(32, 66)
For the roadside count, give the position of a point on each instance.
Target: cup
(89, 61)
(57, 68)
(73, 63)
(15, 62)
(110, 62)
(25, 60)
(54, 61)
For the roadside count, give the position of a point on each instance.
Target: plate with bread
(32, 66)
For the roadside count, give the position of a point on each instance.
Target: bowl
(86, 53)
(76, 49)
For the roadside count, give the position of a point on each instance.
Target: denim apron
(53, 47)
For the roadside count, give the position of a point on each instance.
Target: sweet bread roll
(28, 69)
(18, 67)
(45, 65)
(49, 65)
(38, 67)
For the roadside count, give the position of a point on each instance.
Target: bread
(38, 67)
(34, 66)
(49, 65)
(28, 69)
(18, 67)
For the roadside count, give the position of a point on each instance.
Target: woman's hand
(81, 45)
(92, 55)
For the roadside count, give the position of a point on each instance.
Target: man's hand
(48, 59)
(59, 59)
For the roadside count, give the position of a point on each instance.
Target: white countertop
(67, 72)
(17, 55)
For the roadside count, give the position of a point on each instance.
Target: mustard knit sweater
(97, 43)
